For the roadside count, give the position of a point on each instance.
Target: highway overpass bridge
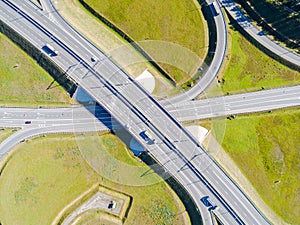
(136, 110)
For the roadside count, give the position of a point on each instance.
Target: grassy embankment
(266, 148)
(173, 21)
(249, 69)
(23, 82)
(45, 174)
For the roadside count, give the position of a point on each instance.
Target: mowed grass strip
(176, 21)
(249, 69)
(267, 149)
(45, 174)
(23, 82)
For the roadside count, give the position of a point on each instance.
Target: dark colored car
(208, 202)
(27, 122)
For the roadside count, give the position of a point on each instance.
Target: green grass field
(45, 174)
(176, 21)
(23, 82)
(266, 148)
(249, 69)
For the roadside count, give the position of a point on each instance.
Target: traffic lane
(233, 108)
(234, 105)
(234, 195)
(221, 186)
(55, 30)
(213, 69)
(34, 122)
(293, 91)
(67, 35)
(20, 136)
(206, 115)
(276, 48)
(220, 211)
(48, 113)
(181, 172)
(27, 31)
(229, 193)
(240, 103)
(52, 117)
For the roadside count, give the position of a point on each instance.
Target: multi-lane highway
(110, 94)
(135, 109)
(265, 100)
(90, 118)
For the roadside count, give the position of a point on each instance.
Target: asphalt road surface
(258, 35)
(265, 100)
(135, 109)
(214, 67)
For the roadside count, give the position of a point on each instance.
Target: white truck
(147, 136)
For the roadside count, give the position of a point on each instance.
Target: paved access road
(221, 46)
(33, 131)
(133, 108)
(214, 67)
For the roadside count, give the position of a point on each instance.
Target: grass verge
(266, 149)
(249, 69)
(23, 82)
(6, 132)
(47, 173)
